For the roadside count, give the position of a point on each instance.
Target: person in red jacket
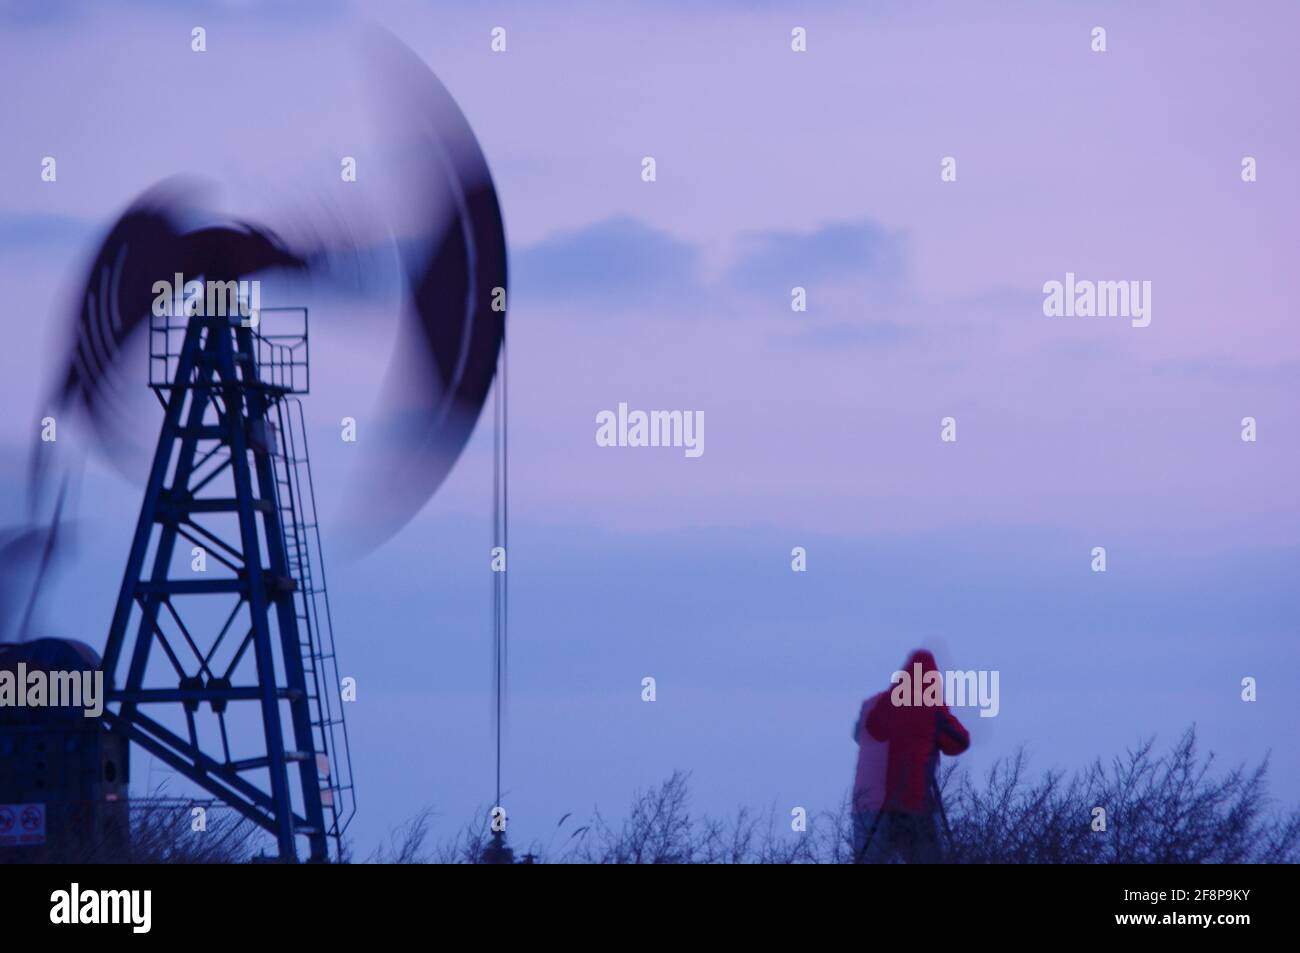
(900, 734)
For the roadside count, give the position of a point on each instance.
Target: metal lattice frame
(219, 431)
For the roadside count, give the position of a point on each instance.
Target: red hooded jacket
(899, 746)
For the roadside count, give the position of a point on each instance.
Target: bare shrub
(1159, 810)
(1170, 808)
(161, 833)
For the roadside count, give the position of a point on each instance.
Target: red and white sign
(22, 825)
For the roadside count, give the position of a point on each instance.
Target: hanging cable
(500, 544)
(496, 587)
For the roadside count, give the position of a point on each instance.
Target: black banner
(207, 903)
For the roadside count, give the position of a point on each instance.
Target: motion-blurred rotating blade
(152, 241)
(454, 258)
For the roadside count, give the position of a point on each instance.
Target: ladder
(296, 502)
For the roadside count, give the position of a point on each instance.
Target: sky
(775, 169)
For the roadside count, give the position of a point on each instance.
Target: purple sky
(775, 169)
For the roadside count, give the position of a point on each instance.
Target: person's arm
(953, 736)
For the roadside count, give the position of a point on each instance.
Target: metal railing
(280, 342)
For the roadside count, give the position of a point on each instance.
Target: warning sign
(22, 825)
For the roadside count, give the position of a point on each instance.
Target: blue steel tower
(220, 658)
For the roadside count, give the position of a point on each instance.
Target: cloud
(872, 334)
(20, 15)
(618, 261)
(24, 230)
(48, 13)
(838, 252)
(624, 263)
(1232, 372)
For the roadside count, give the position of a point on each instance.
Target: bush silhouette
(1159, 809)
